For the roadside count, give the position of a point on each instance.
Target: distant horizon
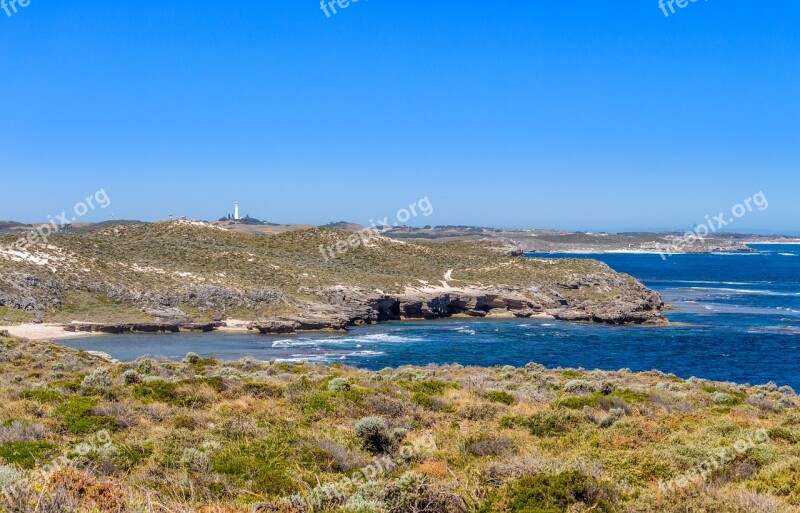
(773, 233)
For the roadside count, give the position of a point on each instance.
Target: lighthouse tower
(236, 211)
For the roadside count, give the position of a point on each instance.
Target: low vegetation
(78, 433)
(9, 316)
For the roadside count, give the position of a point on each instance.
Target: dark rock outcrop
(30, 293)
(351, 306)
(140, 327)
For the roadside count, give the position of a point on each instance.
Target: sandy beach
(52, 332)
(44, 332)
(234, 326)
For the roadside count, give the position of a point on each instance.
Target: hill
(9, 225)
(555, 241)
(344, 225)
(302, 279)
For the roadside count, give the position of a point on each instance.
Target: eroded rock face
(356, 306)
(30, 293)
(339, 307)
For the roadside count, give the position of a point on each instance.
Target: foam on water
(743, 291)
(327, 357)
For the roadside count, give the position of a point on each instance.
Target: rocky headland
(183, 276)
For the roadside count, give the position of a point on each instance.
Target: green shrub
(339, 385)
(100, 378)
(430, 387)
(423, 400)
(79, 418)
(72, 385)
(9, 475)
(377, 437)
(158, 391)
(145, 365)
(592, 400)
(203, 364)
(725, 399)
(289, 367)
(191, 358)
(631, 397)
(787, 435)
(579, 403)
(783, 481)
(42, 395)
(300, 386)
(262, 390)
(328, 402)
(581, 386)
(260, 464)
(489, 445)
(170, 393)
(318, 403)
(25, 454)
(215, 383)
(184, 422)
(549, 423)
(552, 494)
(131, 377)
(228, 372)
(499, 397)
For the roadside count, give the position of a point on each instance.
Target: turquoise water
(738, 319)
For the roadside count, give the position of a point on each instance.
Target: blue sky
(574, 115)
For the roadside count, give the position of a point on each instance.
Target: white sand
(52, 332)
(234, 326)
(44, 332)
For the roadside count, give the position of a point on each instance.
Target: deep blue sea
(735, 318)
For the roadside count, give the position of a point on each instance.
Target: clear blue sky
(561, 114)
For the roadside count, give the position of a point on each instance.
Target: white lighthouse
(236, 211)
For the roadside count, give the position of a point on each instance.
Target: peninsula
(190, 275)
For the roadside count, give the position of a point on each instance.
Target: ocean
(736, 317)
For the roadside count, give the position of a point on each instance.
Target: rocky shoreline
(141, 327)
(363, 309)
(358, 308)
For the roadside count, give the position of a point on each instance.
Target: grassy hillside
(208, 272)
(170, 253)
(81, 434)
